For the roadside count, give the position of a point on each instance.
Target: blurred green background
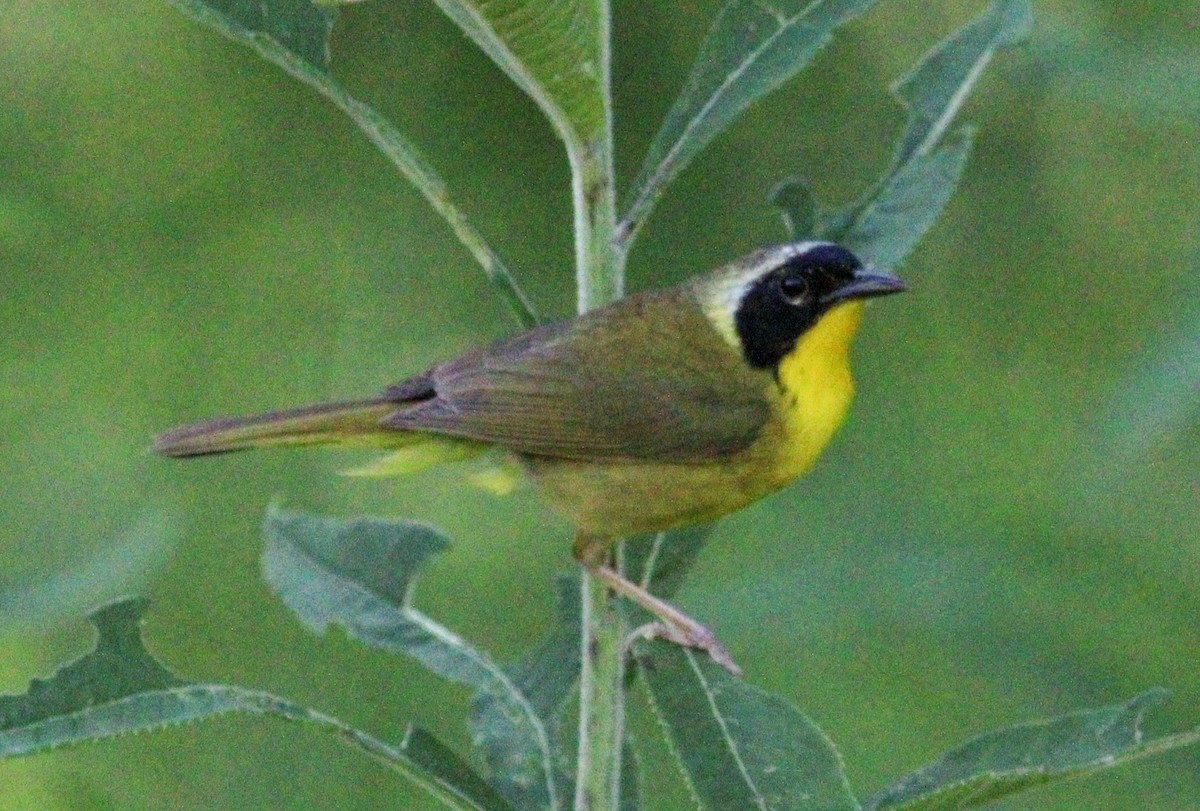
(1005, 529)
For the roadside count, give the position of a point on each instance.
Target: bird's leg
(672, 625)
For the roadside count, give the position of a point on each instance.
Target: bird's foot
(673, 625)
(691, 635)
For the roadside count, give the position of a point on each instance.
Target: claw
(697, 636)
(673, 624)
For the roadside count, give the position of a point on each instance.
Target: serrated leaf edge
(499, 678)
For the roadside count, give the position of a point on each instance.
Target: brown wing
(610, 385)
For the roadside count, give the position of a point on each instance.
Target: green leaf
(935, 89)
(119, 688)
(359, 574)
(556, 51)
(884, 229)
(294, 34)
(96, 696)
(887, 222)
(630, 798)
(738, 747)
(449, 771)
(754, 47)
(795, 200)
(1020, 757)
(546, 679)
(297, 26)
(660, 562)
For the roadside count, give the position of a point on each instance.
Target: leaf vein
(735, 752)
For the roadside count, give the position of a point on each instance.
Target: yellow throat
(815, 389)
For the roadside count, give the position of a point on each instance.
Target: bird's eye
(793, 286)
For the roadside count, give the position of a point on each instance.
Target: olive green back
(645, 378)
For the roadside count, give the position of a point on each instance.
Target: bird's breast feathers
(813, 390)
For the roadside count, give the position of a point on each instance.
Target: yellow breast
(814, 390)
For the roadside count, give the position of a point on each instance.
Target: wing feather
(611, 385)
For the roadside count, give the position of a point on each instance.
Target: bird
(664, 409)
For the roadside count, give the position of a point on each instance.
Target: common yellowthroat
(663, 409)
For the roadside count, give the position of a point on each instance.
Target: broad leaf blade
(450, 772)
(1009, 760)
(741, 748)
(359, 574)
(294, 34)
(90, 698)
(556, 51)
(796, 202)
(546, 678)
(119, 688)
(548, 674)
(935, 89)
(631, 779)
(754, 46)
(660, 562)
(298, 26)
(886, 228)
(886, 223)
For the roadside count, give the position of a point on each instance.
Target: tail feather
(355, 422)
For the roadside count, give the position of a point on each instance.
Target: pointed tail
(354, 422)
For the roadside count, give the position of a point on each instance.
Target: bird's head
(766, 301)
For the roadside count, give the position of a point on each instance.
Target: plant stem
(601, 701)
(599, 274)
